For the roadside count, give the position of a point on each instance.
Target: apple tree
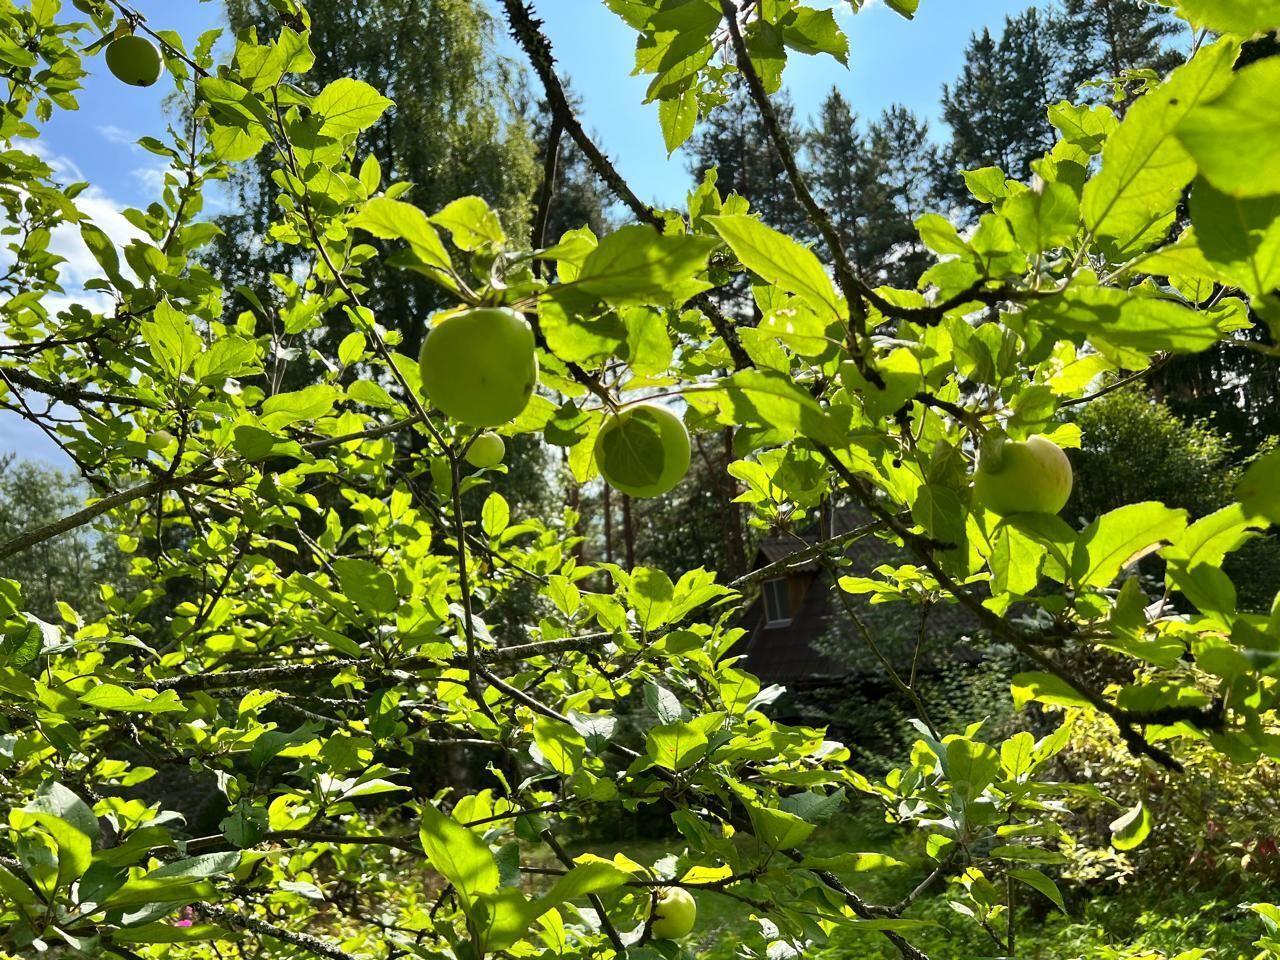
(319, 575)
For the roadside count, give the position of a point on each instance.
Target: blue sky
(891, 61)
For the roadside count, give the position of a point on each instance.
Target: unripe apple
(487, 450)
(673, 914)
(643, 450)
(134, 60)
(1023, 477)
(479, 367)
(160, 440)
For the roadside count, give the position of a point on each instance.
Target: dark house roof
(819, 645)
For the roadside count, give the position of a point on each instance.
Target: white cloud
(106, 213)
(118, 135)
(151, 178)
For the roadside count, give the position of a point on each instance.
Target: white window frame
(785, 602)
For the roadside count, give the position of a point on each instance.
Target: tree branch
(605, 923)
(800, 557)
(527, 31)
(297, 672)
(304, 941)
(854, 289)
(1126, 721)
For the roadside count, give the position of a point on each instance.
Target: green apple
(643, 450)
(1023, 477)
(673, 914)
(486, 450)
(479, 367)
(134, 60)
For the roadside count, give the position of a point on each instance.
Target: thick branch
(528, 33)
(304, 941)
(205, 473)
(70, 393)
(853, 288)
(37, 535)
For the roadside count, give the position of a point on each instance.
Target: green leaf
(372, 588)
(816, 31)
(1045, 688)
(1039, 882)
(1128, 319)
(459, 855)
(678, 116)
(21, 644)
(778, 259)
(561, 745)
(348, 106)
(154, 888)
(74, 847)
(160, 931)
(637, 265)
(1259, 491)
(471, 223)
(676, 745)
(1123, 536)
(778, 829)
(396, 220)
(1194, 560)
(309, 403)
(494, 515)
(1235, 138)
(1239, 237)
(1144, 167)
(55, 799)
(767, 399)
(172, 338)
(229, 357)
(1025, 853)
(650, 594)
(664, 704)
(109, 696)
(1132, 828)
(511, 915)
(970, 765)
(1043, 218)
(1243, 17)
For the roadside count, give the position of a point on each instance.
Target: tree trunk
(628, 532)
(607, 499)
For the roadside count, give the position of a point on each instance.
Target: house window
(777, 603)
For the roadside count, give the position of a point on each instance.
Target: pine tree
(997, 108)
(1105, 38)
(875, 183)
(734, 141)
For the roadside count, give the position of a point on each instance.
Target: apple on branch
(486, 450)
(134, 60)
(479, 367)
(674, 914)
(1031, 476)
(643, 450)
